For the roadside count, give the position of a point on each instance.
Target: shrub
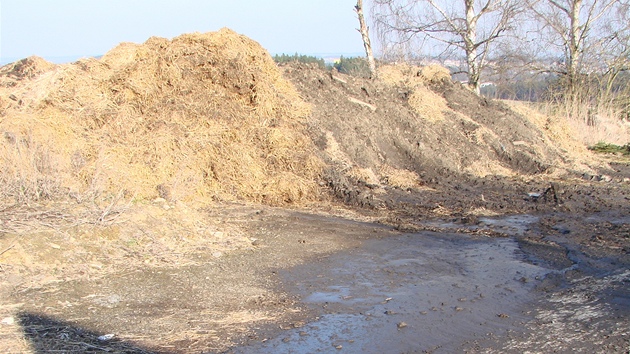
(606, 148)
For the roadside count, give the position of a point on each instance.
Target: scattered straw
(403, 75)
(435, 73)
(422, 100)
(410, 76)
(364, 175)
(487, 167)
(428, 104)
(399, 178)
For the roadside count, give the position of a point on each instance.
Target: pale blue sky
(58, 29)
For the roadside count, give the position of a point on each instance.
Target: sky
(64, 30)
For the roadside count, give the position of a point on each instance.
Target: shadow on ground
(49, 335)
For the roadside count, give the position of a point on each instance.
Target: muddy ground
(503, 245)
(398, 280)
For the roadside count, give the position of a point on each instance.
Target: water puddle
(409, 293)
(514, 225)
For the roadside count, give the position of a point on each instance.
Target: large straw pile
(200, 116)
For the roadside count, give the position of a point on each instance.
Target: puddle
(408, 293)
(515, 225)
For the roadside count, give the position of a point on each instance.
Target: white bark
(471, 49)
(365, 34)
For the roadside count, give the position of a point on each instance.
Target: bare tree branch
(472, 29)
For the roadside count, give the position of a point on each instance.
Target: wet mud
(409, 293)
(316, 283)
(445, 292)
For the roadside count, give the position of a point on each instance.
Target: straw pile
(202, 116)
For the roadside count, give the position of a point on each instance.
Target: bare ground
(502, 245)
(218, 298)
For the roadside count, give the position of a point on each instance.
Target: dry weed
(565, 134)
(94, 242)
(30, 170)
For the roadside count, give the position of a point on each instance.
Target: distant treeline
(356, 66)
(308, 59)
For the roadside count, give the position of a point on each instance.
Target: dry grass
(578, 124)
(200, 117)
(572, 136)
(606, 128)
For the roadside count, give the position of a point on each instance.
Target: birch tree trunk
(574, 46)
(470, 40)
(365, 34)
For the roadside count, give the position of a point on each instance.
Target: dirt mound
(420, 123)
(202, 116)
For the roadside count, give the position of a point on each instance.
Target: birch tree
(365, 35)
(457, 29)
(586, 34)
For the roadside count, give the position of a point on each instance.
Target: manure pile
(199, 117)
(415, 119)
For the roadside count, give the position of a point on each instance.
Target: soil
(529, 261)
(312, 282)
